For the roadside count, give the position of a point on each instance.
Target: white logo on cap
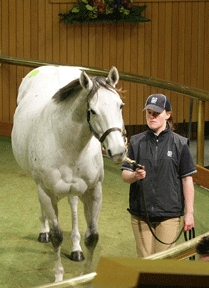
(154, 100)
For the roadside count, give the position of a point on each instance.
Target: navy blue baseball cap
(158, 103)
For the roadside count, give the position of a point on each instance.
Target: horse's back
(35, 92)
(42, 83)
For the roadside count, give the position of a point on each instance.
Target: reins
(135, 165)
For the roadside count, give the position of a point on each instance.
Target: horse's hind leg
(49, 206)
(77, 254)
(92, 203)
(44, 234)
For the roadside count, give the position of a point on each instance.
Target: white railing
(84, 279)
(179, 252)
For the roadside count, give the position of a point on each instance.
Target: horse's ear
(113, 76)
(85, 81)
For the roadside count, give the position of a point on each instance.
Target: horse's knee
(91, 240)
(56, 237)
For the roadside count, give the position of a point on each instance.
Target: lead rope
(135, 165)
(191, 236)
(149, 224)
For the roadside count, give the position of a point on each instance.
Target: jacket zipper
(155, 167)
(156, 151)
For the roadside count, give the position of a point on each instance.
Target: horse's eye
(121, 106)
(93, 112)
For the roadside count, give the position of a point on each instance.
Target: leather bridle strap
(102, 138)
(108, 132)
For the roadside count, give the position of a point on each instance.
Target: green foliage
(104, 11)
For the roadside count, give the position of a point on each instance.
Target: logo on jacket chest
(169, 153)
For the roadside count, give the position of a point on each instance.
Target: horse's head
(105, 113)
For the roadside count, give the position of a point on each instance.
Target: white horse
(60, 113)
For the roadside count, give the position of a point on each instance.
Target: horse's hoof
(44, 238)
(77, 256)
(58, 277)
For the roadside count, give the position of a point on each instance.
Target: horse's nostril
(109, 153)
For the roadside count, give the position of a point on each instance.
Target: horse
(62, 120)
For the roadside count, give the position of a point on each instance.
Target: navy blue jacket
(167, 159)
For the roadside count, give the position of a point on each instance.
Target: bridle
(107, 132)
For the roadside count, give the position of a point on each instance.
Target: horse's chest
(89, 171)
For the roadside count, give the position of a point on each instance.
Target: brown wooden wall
(174, 46)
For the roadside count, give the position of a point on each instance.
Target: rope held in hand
(135, 166)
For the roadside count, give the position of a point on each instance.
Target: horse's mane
(74, 87)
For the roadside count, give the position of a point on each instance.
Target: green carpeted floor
(25, 262)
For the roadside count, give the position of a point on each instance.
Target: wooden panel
(201, 177)
(147, 55)
(113, 45)
(200, 45)
(99, 44)
(5, 74)
(1, 88)
(55, 34)
(70, 42)
(62, 37)
(168, 44)
(194, 53)
(127, 64)
(181, 59)
(12, 69)
(133, 87)
(42, 30)
(134, 1)
(140, 65)
(106, 46)
(20, 39)
(154, 40)
(49, 32)
(153, 1)
(206, 57)
(78, 43)
(173, 47)
(161, 26)
(34, 29)
(119, 46)
(120, 51)
(85, 45)
(174, 56)
(92, 45)
(61, 1)
(188, 55)
(6, 129)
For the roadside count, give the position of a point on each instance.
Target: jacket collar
(161, 135)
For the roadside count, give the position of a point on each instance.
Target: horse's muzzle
(118, 158)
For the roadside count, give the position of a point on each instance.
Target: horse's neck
(70, 125)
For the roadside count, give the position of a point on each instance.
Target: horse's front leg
(92, 201)
(44, 234)
(77, 254)
(49, 206)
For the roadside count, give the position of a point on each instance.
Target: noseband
(104, 135)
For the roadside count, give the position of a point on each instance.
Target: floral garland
(101, 11)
